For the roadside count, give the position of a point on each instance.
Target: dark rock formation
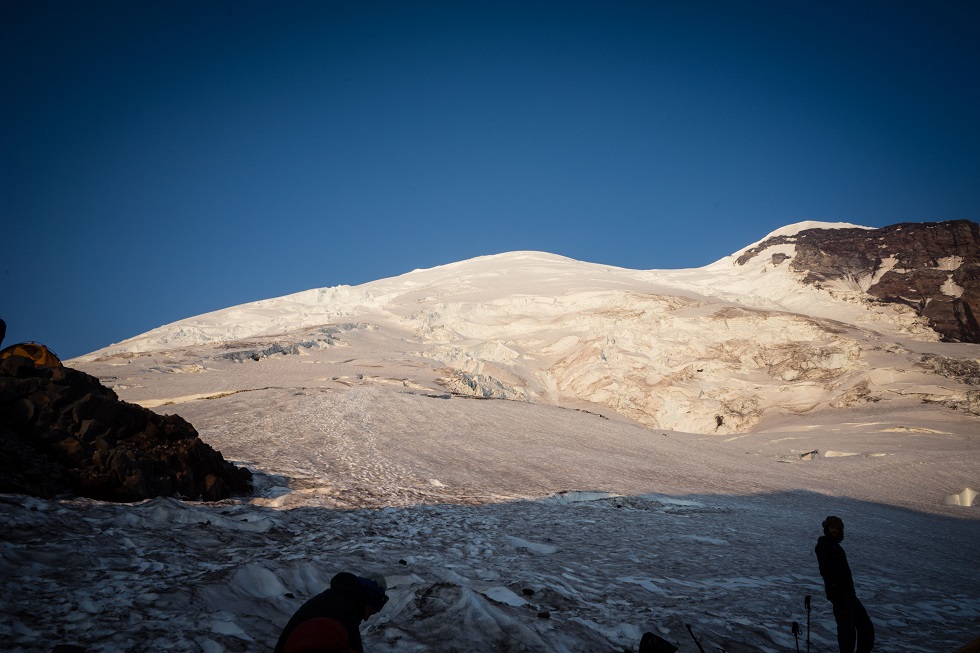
(61, 431)
(933, 267)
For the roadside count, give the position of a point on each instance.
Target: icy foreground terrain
(540, 455)
(167, 575)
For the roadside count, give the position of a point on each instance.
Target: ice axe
(700, 648)
(806, 605)
(797, 631)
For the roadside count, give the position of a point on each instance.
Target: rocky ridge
(63, 432)
(930, 267)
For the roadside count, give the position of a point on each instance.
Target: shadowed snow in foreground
(572, 573)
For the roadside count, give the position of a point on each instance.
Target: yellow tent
(41, 355)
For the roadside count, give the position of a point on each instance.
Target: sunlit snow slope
(709, 350)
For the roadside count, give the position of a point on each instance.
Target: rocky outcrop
(966, 371)
(932, 267)
(61, 431)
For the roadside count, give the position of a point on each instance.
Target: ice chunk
(504, 595)
(255, 580)
(964, 498)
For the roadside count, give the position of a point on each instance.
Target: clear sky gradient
(159, 160)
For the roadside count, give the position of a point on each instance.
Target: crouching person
(330, 621)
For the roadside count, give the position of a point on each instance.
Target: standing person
(853, 623)
(349, 600)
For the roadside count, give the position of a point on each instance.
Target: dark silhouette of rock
(932, 267)
(63, 432)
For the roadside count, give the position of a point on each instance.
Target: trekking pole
(796, 635)
(806, 604)
(700, 648)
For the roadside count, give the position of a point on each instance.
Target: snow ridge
(704, 350)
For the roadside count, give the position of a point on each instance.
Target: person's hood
(347, 583)
(365, 590)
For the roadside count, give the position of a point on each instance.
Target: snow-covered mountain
(666, 445)
(707, 350)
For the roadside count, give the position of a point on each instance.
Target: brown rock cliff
(932, 267)
(63, 432)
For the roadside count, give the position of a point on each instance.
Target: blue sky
(159, 160)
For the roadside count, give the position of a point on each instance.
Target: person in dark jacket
(350, 600)
(853, 623)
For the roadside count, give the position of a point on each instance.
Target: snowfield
(539, 454)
